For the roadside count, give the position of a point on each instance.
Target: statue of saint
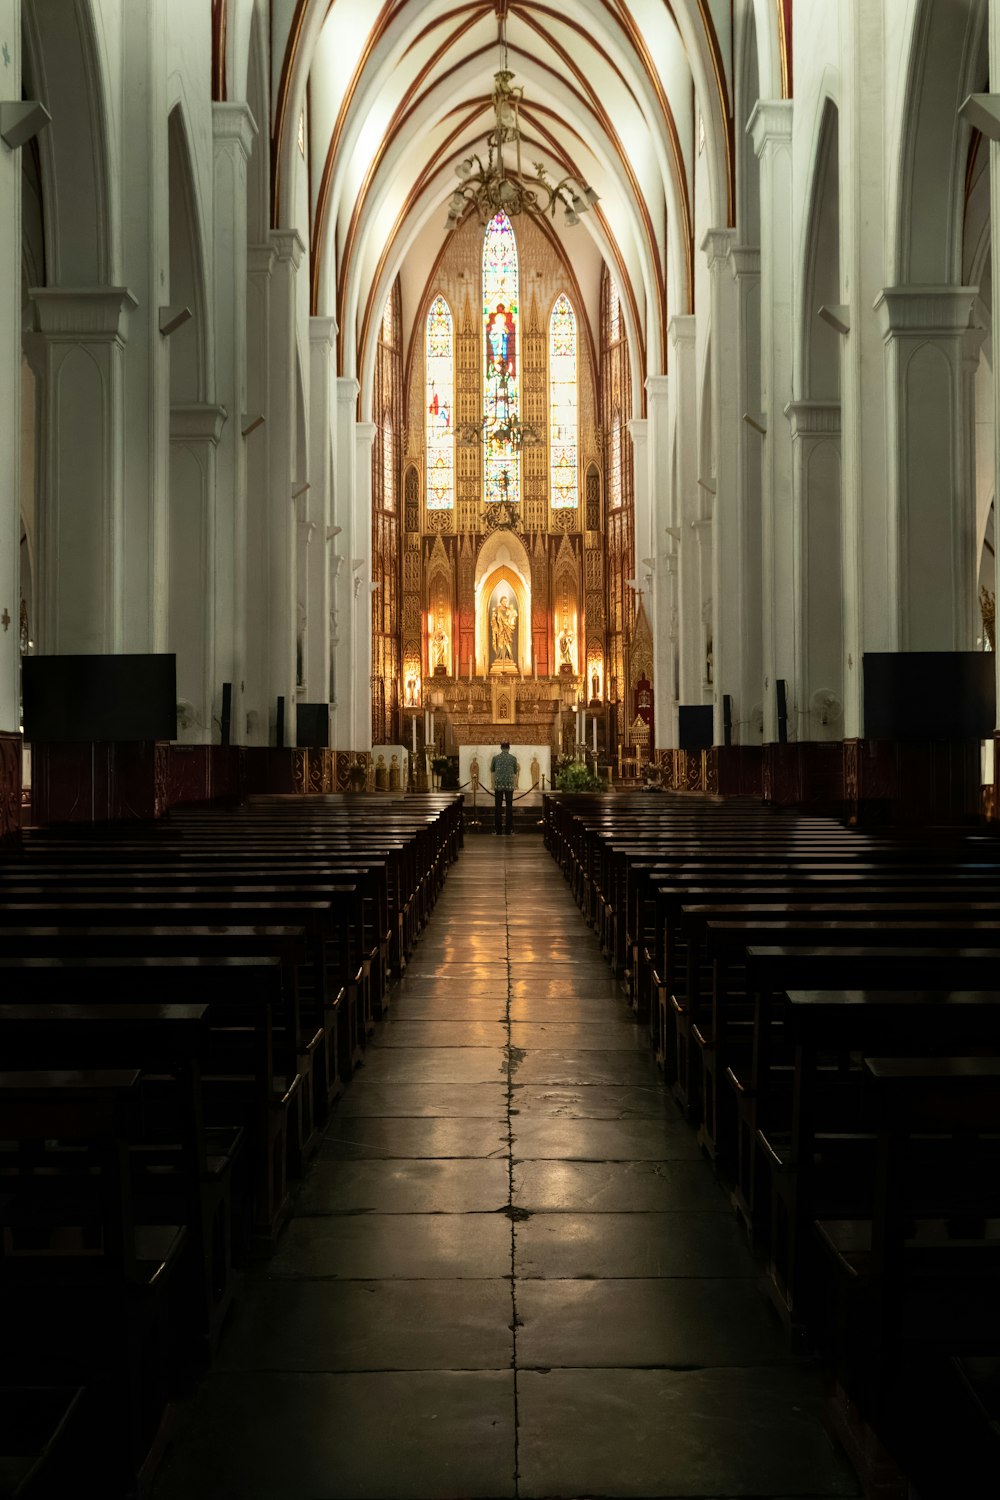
(394, 774)
(380, 773)
(566, 646)
(474, 772)
(535, 771)
(594, 686)
(411, 692)
(440, 639)
(502, 623)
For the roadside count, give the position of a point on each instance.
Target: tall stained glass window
(563, 466)
(440, 407)
(501, 461)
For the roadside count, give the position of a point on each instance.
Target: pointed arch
(439, 425)
(564, 435)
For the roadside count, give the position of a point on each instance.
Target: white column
(10, 385)
(771, 130)
(745, 377)
(284, 374)
(255, 434)
(79, 358)
(687, 509)
(930, 487)
(994, 42)
(727, 573)
(869, 618)
(816, 482)
(322, 338)
(342, 572)
(663, 603)
(234, 130)
(192, 564)
(361, 558)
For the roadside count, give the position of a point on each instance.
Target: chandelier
(500, 184)
(500, 429)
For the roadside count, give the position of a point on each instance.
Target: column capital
(657, 389)
(83, 314)
(744, 260)
(365, 434)
(288, 246)
(638, 428)
(322, 330)
(682, 329)
(197, 422)
(925, 311)
(813, 418)
(716, 245)
(347, 390)
(260, 260)
(234, 123)
(770, 124)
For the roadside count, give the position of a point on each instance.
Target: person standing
(505, 768)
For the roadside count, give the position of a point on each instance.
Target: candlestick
(414, 734)
(594, 726)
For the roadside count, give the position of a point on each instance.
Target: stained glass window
(614, 313)
(501, 462)
(562, 406)
(388, 466)
(440, 407)
(615, 478)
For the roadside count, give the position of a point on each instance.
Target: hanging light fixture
(501, 430)
(502, 184)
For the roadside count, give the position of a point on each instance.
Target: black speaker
(727, 719)
(279, 723)
(74, 699)
(227, 712)
(694, 726)
(929, 695)
(312, 725)
(782, 712)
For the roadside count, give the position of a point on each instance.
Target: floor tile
(632, 1244)
(369, 1247)
(607, 1187)
(406, 1033)
(610, 1035)
(370, 1325)
(412, 1436)
(404, 1187)
(602, 1140)
(641, 1323)
(362, 1139)
(447, 1065)
(379, 1099)
(721, 1432)
(581, 1066)
(596, 1101)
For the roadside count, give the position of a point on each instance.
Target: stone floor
(509, 1273)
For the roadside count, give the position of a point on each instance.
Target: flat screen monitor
(312, 725)
(929, 695)
(99, 698)
(694, 726)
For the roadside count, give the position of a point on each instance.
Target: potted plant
(576, 776)
(357, 776)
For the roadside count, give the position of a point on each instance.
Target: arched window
(440, 407)
(501, 460)
(563, 429)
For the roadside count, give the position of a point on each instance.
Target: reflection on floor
(509, 1272)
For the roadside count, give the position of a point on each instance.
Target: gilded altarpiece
(576, 555)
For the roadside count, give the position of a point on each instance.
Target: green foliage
(575, 776)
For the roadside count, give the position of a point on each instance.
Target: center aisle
(509, 1273)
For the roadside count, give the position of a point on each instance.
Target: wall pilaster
(195, 430)
(284, 476)
(234, 130)
(361, 562)
(322, 343)
(816, 487)
(78, 354)
(663, 603)
(687, 509)
(342, 571)
(744, 379)
(770, 128)
(10, 405)
(930, 488)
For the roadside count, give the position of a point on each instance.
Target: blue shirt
(504, 768)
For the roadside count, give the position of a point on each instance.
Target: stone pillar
(930, 479)
(744, 379)
(994, 147)
(727, 573)
(255, 434)
(663, 606)
(687, 509)
(10, 430)
(322, 338)
(342, 571)
(79, 357)
(234, 130)
(361, 617)
(282, 415)
(771, 130)
(816, 487)
(193, 567)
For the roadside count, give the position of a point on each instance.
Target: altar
(534, 766)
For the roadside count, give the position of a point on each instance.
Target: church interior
(383, 386)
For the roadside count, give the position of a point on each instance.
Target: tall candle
(470, 670)
(594, 727)
(414, 734)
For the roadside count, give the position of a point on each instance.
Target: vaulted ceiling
(621, 93)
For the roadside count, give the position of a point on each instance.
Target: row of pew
(825, 1005)
(182, 1004)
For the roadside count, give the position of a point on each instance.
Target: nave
(509, 1272)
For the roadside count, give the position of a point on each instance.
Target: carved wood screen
(616, 412)
(387, 501)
